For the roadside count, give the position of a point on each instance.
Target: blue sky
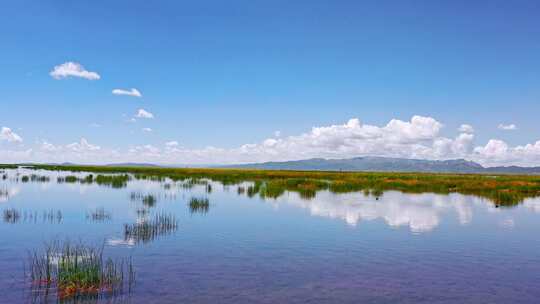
(229, 73)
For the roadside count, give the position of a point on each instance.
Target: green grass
(148, 230)
(503, 190)
(77, 270)
(148, 200)
(199, 205)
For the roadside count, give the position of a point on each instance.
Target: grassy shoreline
(503, 190)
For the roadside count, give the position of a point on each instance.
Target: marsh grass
(148, 230)
(76, 270)
(98, 215)
(147, 199)
(503, 190)
(4, 194)
(11, 216)
(114, 181)
(199, 205)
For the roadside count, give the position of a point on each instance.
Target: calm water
(346, 248)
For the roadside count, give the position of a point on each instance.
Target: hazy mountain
(388, 164)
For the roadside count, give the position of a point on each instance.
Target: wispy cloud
(171, 144)
(132, 92)
(72, 69)
(142, 113)
(146, 129)
(509, 127)
(8, 135)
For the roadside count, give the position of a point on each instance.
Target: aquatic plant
(115, 181)
(148, 230)
(98, 215)
(76, 270)
(199, 205)
(149, 200)
(8, 166)
(240, 190)
(504, 190)
(67, 179)
(11, 216)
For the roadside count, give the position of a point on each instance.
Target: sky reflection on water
(330, 248)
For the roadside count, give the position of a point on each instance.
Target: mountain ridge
(387, 164)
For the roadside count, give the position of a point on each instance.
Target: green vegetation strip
(504, 190)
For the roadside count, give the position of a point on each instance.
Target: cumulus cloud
(146, 129)
(509, 127)
(132, 92)
(72, 69)
(498, 152)
(465, 128)
(8, 135)
(419, 138)
(142, 113)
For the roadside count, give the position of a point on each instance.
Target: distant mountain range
(388, 164)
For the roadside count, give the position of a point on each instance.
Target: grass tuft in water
(76, 270)
(199, 205)
(98, 215)
(11, 216)
(147, 230)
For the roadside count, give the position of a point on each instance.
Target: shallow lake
(333, 248)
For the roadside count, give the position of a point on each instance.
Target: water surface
(333, 248)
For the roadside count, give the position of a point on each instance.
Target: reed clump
(11, 216)
(76, 270)
(199, 205)
(148, 230)
(98, 215)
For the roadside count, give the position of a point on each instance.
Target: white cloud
(132, 92)
(509, 127)
(498, 152)
(465, 128)
(8, 135)
(146, 129)
(277, 134)
(172, 144)
(72, 69)
(82, 146)
(419, 138)
(142, 113)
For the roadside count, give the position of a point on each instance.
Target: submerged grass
(148, 230)
(98, 215)
(199, 205)
(76, 270)
(503, 190)
(11, 216)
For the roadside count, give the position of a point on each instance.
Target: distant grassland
(503, 190)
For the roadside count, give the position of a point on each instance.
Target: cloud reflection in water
(419, 212)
